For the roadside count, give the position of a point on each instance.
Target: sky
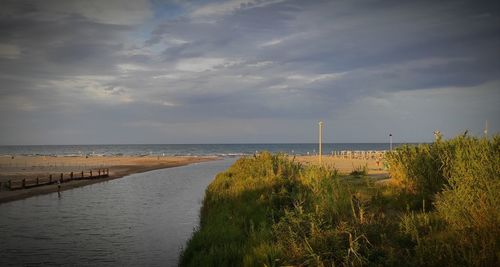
(246, 71)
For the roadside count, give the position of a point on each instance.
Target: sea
(221, 150)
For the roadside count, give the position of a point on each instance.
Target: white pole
(390, 141)
(320, 140)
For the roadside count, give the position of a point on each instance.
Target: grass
(359, 171)
(442, 210)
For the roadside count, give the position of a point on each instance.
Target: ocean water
(186, 149)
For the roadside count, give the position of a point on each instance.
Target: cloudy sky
(93, 72)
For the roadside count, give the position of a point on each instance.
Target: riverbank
(21, 167)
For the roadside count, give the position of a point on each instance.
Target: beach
(346, 165)
(30, 167)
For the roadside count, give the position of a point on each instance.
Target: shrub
(471, 200)
(418, 168)
(462, 175)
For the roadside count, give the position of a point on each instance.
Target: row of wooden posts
(29, 183)
(359, 154)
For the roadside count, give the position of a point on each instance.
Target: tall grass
(268, 210)
(418, 167)
(462, 175)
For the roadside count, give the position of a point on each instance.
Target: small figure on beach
(59, 188)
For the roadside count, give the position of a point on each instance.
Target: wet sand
(30, 167)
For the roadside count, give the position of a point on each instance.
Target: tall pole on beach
(390, 141)
(320, 141)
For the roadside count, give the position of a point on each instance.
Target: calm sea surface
(139, 220)
(186, 150)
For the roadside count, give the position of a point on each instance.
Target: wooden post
(37, 180)
(90, 174)
(99, 172)
(320, 150)
(24, 183)
(10, 184)
(71, 175)
(82, 174)
(50, 179)
(62, 180)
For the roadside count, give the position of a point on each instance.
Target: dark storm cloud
(164, 69)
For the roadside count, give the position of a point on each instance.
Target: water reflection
(140, 220)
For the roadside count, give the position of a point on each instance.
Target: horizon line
(251, 143)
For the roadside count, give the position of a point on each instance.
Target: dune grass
(268, 210)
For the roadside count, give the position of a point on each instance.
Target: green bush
(470, 203)
(418, 168)
(462, 175)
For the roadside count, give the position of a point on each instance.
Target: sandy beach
(347, 165)
(30, 167)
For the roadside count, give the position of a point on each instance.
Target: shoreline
(131, 165)
(119, 166)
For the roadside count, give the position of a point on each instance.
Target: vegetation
(441, 210)
(359, 171)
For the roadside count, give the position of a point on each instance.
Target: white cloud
(311, 78)
(249, 78)
(226, 7)
(278, 87)
(21, 103)
(91, 87)
(175, 42)
(204, 64)
(167, 76)
(168, 104)
(120, 12)
(260, 64)
(413, 114)
(9, 51)
(131, 67)
(271, 43)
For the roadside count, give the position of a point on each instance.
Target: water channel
(139, 220)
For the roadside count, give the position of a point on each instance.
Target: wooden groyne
(51, 179)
